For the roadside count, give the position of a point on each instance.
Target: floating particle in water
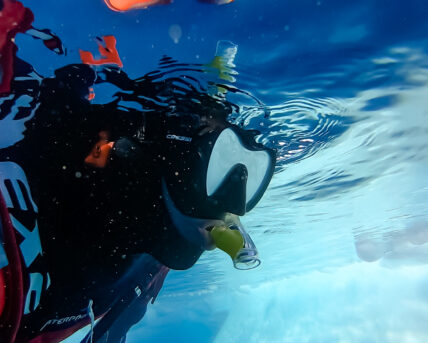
(175, 33)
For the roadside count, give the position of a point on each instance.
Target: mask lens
(228, 151)
(257, 163)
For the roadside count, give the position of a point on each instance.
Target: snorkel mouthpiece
(234, 241)
(228, 240)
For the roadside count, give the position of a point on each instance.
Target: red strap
(2, 292)
(15, 18)
(12, 279)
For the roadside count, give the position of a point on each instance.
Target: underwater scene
(214, 171)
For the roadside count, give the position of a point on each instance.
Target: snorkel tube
(237, 243)
(215, 171)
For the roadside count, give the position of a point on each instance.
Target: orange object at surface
(126, 5)
(108, 51)
(217, 2)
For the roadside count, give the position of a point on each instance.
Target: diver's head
(209, 180)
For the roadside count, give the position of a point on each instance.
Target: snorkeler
(118, 198)
(98, 202)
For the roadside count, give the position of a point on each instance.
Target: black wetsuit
(94, 224)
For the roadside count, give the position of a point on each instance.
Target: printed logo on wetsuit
(64, 320)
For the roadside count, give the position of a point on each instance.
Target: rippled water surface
(341, 91)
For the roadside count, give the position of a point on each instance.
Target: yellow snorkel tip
(228, 240)
(235, 242)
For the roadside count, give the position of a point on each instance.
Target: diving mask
(222, 171)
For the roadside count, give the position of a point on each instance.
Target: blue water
(343, 228)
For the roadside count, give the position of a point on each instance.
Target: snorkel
(213, 171)
(237, 243)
